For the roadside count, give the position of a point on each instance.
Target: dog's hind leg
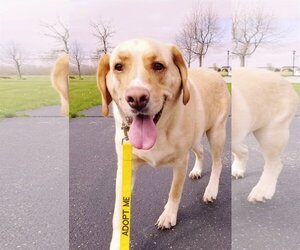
(239, 151)
(197, 169)
(64, 105)
(240, 154)
(169, 216)
(241, 126)
(272, 141)
(216, 137)
(64, 96)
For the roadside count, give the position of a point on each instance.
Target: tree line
(200, 31)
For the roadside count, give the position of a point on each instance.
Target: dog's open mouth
(142, 133)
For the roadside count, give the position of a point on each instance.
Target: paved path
(34, 180)
(34, 209)
(50, 111)
(276, 223)
(92, 181)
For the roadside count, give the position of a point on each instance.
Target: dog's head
(141, 76)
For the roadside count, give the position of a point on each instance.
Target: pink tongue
(142, 132)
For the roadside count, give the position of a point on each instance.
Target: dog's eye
(158, 66)
(119, 67)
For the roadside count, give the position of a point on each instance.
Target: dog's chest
(159, 155)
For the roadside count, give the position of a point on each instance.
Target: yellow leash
(126, 195)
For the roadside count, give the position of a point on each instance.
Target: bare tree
(77, 57)
(200, 31)
(251, 28)
(185, 42)
(14, 55)
(59, 32)
(103, 32)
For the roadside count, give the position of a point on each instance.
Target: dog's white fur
(60, 81)
(180, 127)
(263, 103)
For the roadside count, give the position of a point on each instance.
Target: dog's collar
(125, 124)
(125, 129)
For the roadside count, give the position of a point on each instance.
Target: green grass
(297, 88)
(36, 91)
(229, 87)
(83, 95)
(31, 93)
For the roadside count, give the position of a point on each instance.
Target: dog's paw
(64, 109)
(262, 191)
(237, 173)
(166, 220)
(195, 174)
(210, 193)
(238, 169)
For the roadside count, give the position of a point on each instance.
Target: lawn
(36, 91)
(31, 93)
(297, 88)
(83, 94)
(229, 86)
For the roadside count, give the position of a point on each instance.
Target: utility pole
(294, 53)
(228, 58)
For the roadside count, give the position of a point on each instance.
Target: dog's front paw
(166, 220)
(195, 174)
(210, 193)
(262, 191)
(237, 171)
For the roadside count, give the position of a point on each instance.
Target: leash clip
(125, 129)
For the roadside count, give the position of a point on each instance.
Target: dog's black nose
(137, 97)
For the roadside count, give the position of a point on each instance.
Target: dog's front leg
(169, 216)
(115, 241)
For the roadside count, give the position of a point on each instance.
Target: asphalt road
(34, 181)
(50, 111)
(92, 181)
(276, 223)
(34, 192)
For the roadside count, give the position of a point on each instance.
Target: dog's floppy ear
(103, 69)
(179, 62)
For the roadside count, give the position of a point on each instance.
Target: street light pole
(294, 53)
(228, 58)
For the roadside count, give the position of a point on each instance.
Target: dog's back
(214, 94)
(268, 95)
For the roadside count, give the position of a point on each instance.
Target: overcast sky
(20, 21)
